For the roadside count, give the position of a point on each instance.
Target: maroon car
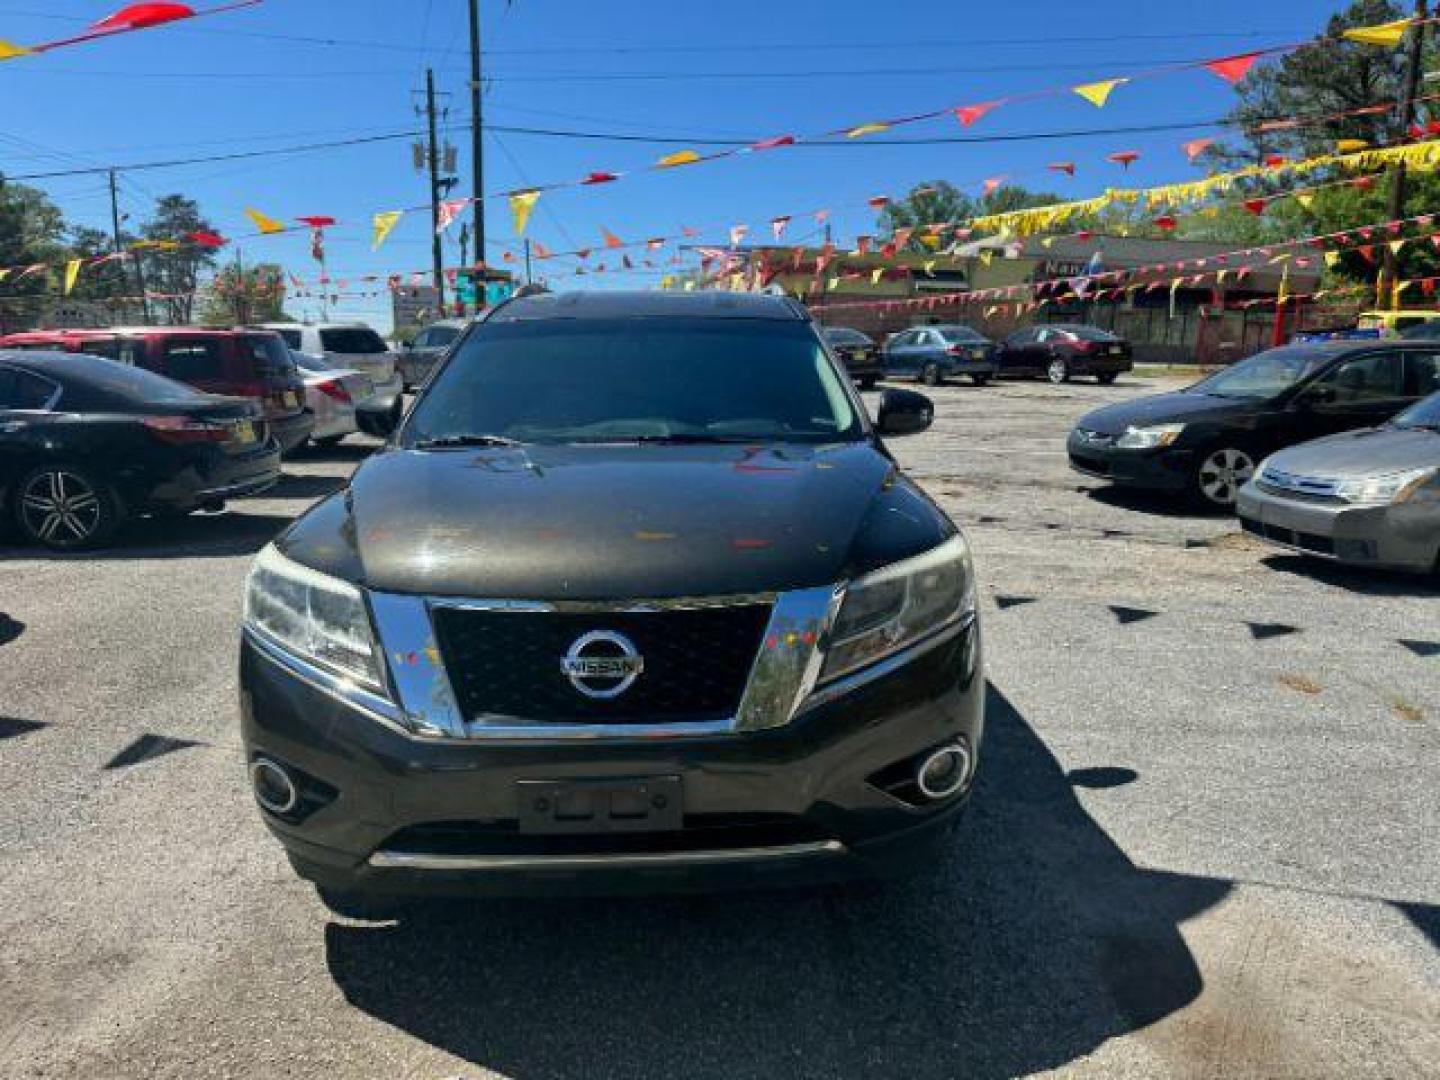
(252, 364)
(1063, 350)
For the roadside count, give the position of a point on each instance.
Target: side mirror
(904, 412)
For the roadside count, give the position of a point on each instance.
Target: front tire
(980, 380)
(1105, 379)
(66, 508)
(1058, 371)
(355, 904)
(931, 375)
(1221, 474)
(868, 382)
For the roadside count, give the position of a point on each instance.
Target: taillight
(332, 388)
(184, 430)
(1086, 346)
(954, 350)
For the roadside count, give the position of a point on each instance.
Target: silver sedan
(1370, 498)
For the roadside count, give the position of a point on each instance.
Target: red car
(237, 363)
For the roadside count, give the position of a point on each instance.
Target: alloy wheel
(1223, 474)
(60, 508)
(931, 375)
(1058, 371)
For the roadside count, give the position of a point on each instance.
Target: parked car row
(932, 354)
(1329, 448)
(86, 442)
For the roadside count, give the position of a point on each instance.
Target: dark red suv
(238, 363)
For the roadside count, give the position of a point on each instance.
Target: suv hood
(1356, 454)
(1179, 407)
(617, 522)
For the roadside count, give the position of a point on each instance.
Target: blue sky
(687, 68)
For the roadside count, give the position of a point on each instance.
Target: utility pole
(528, 278)
(434, 160)
(477, 150)
(115, 233)
(1389, 276)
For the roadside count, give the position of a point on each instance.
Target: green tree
(32, 230)
(942, 201)
(177, 272)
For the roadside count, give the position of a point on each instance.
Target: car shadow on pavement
(1033, 943)
(1152, 502)
(197, 536)
(1355, 578)
(305, 486)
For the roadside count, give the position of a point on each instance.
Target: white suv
(359, 348)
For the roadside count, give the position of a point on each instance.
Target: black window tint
(1021, 337)
(1376, 376)
(290, 337)
(582, 380)
(118, 384)
(268, 353)
(355, 340)
(961, 333)
(193, 361)
(1423, 375)
(24, 390)
(109, 348)
(1090, 333)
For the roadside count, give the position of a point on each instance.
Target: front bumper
(1168, 469)
(1404, 537)
(389, 812)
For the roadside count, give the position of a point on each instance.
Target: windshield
(846, 337)
(616, 380)
(962, 333)
(353, 340)
(1425, 413)
(270, 353)
(439, 336)
(1264, 375)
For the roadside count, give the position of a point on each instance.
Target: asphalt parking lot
(1204, 841)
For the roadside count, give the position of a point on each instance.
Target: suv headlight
(893, 607)
(1149, 438)
(317, 617)
(1379, 490)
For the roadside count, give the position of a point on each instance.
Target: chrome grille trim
(408, 860)
(1279, 482)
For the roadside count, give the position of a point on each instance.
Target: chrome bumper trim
(410, 860)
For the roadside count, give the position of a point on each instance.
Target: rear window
(23, 390)
(268, 351)
(355, 340)
(114, 385)
(961, 333)
(193, 361)
(846, 337)
(440, 336)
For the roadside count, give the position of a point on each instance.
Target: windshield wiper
(683, 439)
(444, 442)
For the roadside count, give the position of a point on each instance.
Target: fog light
(943, 773)
(274, 790)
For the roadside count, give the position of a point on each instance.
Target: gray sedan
(1371, 497)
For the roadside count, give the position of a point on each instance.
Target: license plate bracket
(645, 804)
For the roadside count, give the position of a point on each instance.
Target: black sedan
(858, 353)
(1061, 351)
(1206, 440)
(87, 442)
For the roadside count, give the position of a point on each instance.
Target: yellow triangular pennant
(1386, 35)
(680, 157)
(1331, 258)
(866, 129)
(9, 50)
(72, 273)
(266, 225)
(875, 275)
(1397, 245)
(1098, 93)
(1305, 199)
(521, 203)
(384, 223)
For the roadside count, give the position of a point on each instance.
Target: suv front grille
(505, 665)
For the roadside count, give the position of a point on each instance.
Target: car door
(1422, 374)
(1017, 352)
(930, 349)
(900, 354)
(1359, 392)
(26, 401)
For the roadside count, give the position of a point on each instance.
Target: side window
(24, 391)
(292, 339)
(1378, 376)
(901, 340)
(109, 348)
(1423, 374)
(930, 337)
(422, 339)
(192, 361)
